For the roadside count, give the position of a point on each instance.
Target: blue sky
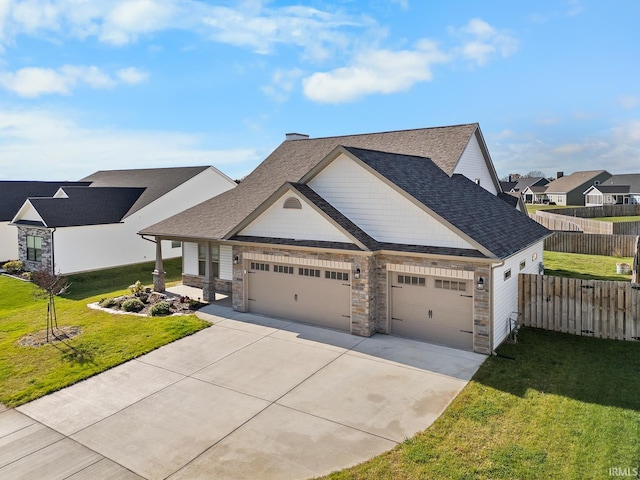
(104, 84)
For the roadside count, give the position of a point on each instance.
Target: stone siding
(47, 251)
(197, 281)
(370, 293)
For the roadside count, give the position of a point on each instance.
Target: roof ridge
(389, 131)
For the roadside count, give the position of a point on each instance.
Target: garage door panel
(432, 309)
(310, 299)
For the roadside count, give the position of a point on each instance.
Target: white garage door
(433, 309)
(305, 294)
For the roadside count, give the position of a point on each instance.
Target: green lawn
(552, 406)
(106, 340)
(533, 208)
(588, 267)
(619, 219)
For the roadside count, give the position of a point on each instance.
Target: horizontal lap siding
(581, 307)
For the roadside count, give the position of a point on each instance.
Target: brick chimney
(559, 175)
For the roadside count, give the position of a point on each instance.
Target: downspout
(53, 253)
(492, 305)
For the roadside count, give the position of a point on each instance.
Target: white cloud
(31, 82)
(132, 76)
(628, 102)
(45, 145)
(120, 22)
(375, 71)
(482, 42)
(282, 84)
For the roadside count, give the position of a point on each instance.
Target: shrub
(132, 305)
(108, 303)
(137, 288)
(195, 304)
(13, 267)
(160, 308)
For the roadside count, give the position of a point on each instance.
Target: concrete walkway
(249, 398)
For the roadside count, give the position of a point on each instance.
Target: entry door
(432, 309)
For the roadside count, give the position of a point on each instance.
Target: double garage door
(433, 309)
(302, 293)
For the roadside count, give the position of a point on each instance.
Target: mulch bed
(39, 338)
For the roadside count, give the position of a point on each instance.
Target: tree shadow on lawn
(603, 372)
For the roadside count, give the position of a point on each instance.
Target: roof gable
(14, 193)
(84, 206)
(306, 221)
(156, 182)
(294, 159)
(632, 180)
(569, 183)
(468, 208)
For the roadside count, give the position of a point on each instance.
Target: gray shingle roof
(14, 193)
(630, 179)
(156, 181)
(87, 206)
(482, 216)
(215, 218)
(570, 182)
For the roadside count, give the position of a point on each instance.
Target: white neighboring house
(404, 232)
(83, 228)
(13, 194)
(617, 190)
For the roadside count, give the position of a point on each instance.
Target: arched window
(292, 202)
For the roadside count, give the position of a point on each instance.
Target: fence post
(636, 263)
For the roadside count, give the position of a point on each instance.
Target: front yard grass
(552, 406)
(587, 267)
(106, 340)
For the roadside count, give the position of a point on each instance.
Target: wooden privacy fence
(582, 307)
(592, 244)
(553, 220)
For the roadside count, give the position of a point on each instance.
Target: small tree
(51, 284)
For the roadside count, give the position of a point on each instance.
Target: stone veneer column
(208, 283)
(482, 311)
(237, 287)
(363, 297)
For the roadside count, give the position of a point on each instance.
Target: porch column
(159, 275)
(209, 283)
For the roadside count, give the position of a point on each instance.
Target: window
(451, 285)
(292, 202)
(176, 244)
(344, 276)
(409, 280)
(264, 267)
(215, 260)
(309, 272)
(523, 264)
(34, 248)
(507, 274)
(282, 269)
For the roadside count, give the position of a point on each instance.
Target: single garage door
(433, 309)
(305, 294)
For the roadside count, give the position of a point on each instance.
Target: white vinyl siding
(226, 262)
(8, 242)
(473, 165)
(190, 258)
(505, 292)
(382, 212)
(301, 224)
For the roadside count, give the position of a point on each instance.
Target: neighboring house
(617, 190)
(528, 183)
(570, 189)
(398, 232)
(12, 196)
(82, 228)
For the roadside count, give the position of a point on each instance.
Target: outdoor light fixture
(480, 284)
(235, 260)
(357, 273)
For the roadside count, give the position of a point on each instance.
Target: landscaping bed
(149, 304)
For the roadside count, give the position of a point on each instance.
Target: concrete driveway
(251, 397)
